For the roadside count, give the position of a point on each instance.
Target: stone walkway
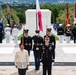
(56, 70)
(64, 53)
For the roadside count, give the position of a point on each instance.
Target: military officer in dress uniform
(38, 40)
(68, 33)
(52, 38)
(60, 33)
(47, 55)
(26, 40)
(15, 33)
(7, 33)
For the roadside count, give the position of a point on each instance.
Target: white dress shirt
(21, 59)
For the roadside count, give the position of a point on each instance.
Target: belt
(37, 44)
(27, 44)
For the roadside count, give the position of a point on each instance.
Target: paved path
(64, 53)
(61, 56)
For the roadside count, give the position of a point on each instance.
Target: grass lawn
(19, 38)
(56, 37)
(53, 34)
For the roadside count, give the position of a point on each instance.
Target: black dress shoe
(27, 68)
(37, 69)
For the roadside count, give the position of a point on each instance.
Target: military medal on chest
(37, 44)
(43, 50)
(50, 48)
(26, 42)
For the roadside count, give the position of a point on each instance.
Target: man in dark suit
(38, 40)
(47, 55)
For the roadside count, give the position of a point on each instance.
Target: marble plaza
(64, 53)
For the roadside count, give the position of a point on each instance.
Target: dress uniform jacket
(38, 40)
(52, 42)
(47, 53)
(68, 31)
(8, 30)
(7, 34)
(74, 31)
(15, 32)
(21, 59)
(27, 41)
(47, 56)
(60, 31)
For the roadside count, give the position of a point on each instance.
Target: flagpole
(36, 21)
(46, 29)
(38, 17)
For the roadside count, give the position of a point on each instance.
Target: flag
(75, 13)
(39, 16)
(7, 8)
(67, 15)
(8, 13)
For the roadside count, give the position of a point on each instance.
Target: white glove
(52, 63)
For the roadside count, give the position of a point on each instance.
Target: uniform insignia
(26, 44)
(52, 43)
(50, 48)
(29, 44)
(43, 48)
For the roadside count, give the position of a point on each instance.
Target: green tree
(21, 17)
(13, 17)
(62, 16)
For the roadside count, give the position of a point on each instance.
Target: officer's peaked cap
(15, 25)
(26, 30)
(37, 31)
(68, 24)
(46, 37)
(49, 29)
(60, 24)
(7, 24)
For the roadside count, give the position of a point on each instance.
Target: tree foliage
(13, 17)
(62, 16)
(58, 12)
